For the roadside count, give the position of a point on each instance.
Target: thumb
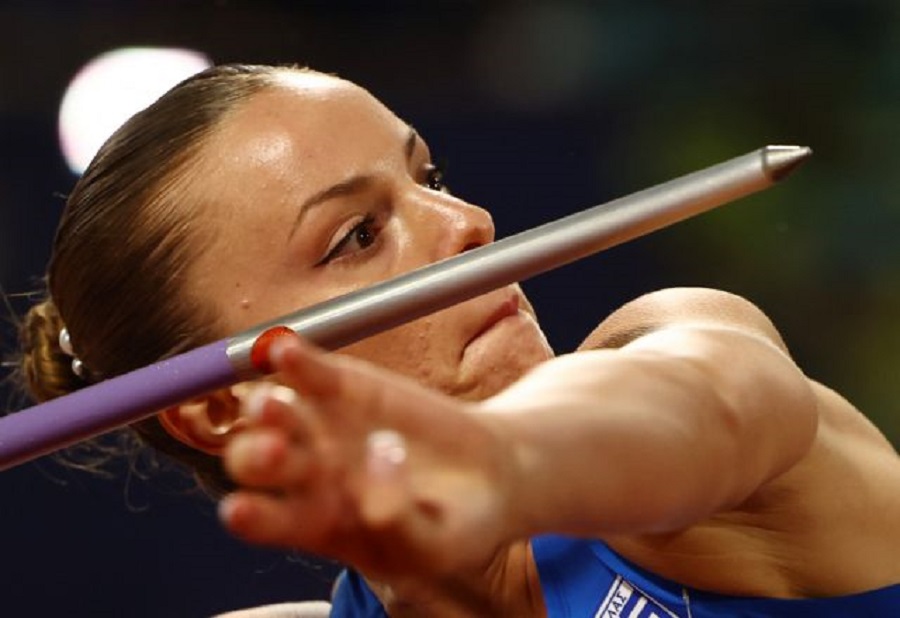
(386, 491)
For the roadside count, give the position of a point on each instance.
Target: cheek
(415, 350)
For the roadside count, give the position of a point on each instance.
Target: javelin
(132, 396)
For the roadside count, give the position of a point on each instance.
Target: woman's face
(313, 189)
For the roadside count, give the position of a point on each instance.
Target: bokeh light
(111, 88)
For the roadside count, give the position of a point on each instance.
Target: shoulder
(681, 306)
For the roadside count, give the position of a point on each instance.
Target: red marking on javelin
(259, 353)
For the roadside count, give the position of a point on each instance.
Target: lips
(509, 307)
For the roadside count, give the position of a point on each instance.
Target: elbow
(742, 411)
(765, 417)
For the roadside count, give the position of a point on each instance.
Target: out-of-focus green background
(541, 108)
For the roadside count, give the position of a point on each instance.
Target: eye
(434, 177)
(360, 237)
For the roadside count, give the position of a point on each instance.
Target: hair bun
(45, 367)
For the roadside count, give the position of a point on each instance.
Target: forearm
(662, 433)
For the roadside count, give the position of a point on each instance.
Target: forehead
(306, 132)
(313, 117)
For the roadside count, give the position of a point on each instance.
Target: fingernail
(385, 495)
(386, 451)
(256, 400)
(253, 404)
(227, 508)
(284, 394)
(277, 349)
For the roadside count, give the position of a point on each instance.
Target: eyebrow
(354, 184)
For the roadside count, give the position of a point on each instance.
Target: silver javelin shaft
(352, 317)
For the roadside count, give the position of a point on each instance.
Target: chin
(494, 365)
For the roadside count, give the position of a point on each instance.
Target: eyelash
(366, 224)
(434, 177)
(434, 180)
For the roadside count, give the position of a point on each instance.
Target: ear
(207, 423)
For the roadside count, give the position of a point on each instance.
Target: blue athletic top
(352, 598)
(583, 578)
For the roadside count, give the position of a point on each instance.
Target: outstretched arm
(680, 423)
(685, 420)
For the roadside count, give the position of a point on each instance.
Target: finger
(305, 366)
(277, 406)
(268, 459)
(385, 494)
(274, 450)
(303, 521)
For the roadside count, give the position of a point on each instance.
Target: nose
(457, 226)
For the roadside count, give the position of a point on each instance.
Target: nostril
(470, 246)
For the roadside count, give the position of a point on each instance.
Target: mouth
(508, 308)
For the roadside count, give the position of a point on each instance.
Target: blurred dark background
(541, 109)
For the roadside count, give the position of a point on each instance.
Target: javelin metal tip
(780, 161)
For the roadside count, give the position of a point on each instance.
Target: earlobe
(206, 424)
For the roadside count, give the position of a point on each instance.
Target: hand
(346, 460)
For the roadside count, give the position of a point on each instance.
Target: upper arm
(682, 306)
(701, 402)
(739, 356)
